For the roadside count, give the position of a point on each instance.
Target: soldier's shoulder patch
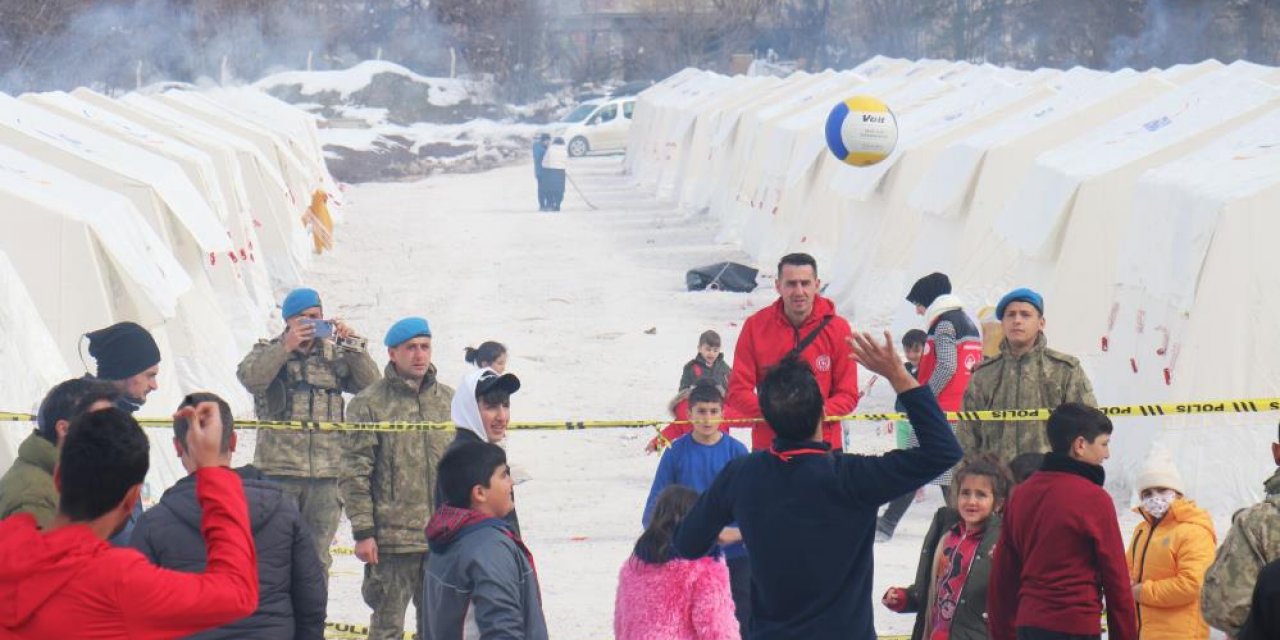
(986, 362)
(1062, 357)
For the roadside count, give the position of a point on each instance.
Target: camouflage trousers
(321, 506)
(388, 588)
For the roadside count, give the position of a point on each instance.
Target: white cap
(1159, 471)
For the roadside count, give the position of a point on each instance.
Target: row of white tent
(183, 211)
(1144, 205)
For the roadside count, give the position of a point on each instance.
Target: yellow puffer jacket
(1170, 563)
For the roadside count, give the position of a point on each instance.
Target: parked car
(597, 126)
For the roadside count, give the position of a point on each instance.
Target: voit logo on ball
(861, 131)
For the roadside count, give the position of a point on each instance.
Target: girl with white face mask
(1170, 551)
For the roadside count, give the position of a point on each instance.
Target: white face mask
(1157, 503)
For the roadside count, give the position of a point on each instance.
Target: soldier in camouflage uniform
(1252, 543)
(298, 376)
(389, 478)
(1026, 375)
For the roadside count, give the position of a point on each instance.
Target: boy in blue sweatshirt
(809, 516)
(693, 460)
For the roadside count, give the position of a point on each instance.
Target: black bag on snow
(725, 276)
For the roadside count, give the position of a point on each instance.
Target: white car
(597, 126)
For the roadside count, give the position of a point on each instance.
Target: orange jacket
(1170, 563)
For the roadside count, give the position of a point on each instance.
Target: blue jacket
(539, 152)
(694, 465)
(809, 518)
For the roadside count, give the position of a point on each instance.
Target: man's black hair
(465, 466)
(69, 399)
(798, 260)
(705, 391)
(181, 425)
(104, 455)
(791, 400)
(1075, 420)
(914, 338)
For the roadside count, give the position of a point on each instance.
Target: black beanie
(122, 350)
(928, 288)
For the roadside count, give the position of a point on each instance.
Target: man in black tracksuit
(809, 516)
(293, 589)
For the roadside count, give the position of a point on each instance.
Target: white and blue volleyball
(861, 131)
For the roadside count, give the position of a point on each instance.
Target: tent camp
(285, 246)
(201, 171)
(202, 341)
(1137, 202)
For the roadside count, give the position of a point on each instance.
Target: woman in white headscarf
(481, 411)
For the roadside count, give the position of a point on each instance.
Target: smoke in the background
(526, 44)
(117, 45)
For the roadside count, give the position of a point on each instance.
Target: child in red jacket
(1060, 551)
(67, 582)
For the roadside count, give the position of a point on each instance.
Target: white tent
(90, 260)
(25, 346)
(201, 171)
(285, 243)
(300, 181)
(299, 128)
(203, 346)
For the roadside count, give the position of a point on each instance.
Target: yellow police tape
(346, 630)
(1251, 405)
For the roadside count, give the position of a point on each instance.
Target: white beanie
(1159, 471)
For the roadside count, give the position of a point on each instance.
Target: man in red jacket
(802, 321)
(69, 583)
(1060, 551)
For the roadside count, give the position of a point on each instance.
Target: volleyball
(861, 131)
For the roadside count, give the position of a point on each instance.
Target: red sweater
(1060, 552)
(766, 337)
(69, 583)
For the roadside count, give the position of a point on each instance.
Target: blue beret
(1021, 294)
(406, 330)
(299, 300)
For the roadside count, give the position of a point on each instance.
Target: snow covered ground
(572, 295)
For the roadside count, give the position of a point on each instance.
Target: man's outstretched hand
(882, 359)
(204, 433)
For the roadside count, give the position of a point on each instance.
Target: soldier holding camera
(301, 375)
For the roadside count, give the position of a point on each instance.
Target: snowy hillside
(380, 120)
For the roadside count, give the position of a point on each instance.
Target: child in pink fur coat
(661, 597)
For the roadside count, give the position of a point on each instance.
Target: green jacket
(970, 620)
(295, 386)
(1252, 543)
(1040, 378)
(27, 487)
(389, 479)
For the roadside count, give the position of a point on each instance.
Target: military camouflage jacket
(1252, 543)
(389, 479)
(1040, 378)
(295, 386)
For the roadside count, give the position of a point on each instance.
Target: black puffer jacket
(293, 590)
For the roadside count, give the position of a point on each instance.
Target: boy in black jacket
(708, 364)
(292, 585)
(809, 516)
